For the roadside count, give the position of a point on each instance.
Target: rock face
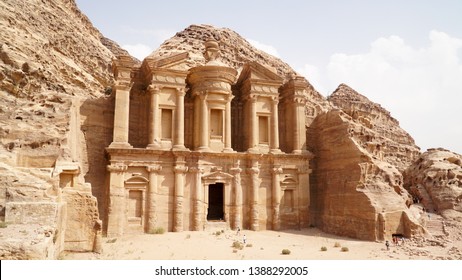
(435, 181)
(380, 134)
(57, 115)
(353, 192)
(52, 60)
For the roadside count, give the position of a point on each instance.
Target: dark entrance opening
(215, 210)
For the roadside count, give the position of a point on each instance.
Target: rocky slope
(435, 181)
(52, 60)
(380, 134)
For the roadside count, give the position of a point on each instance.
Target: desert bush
(337, 245)
(113, 240)
(249, 245)
(285, 251)
(238, 245)
(3, 225)
(345, 249)
(323, 248)
(157, 230)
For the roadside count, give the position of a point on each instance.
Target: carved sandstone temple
(202, 145)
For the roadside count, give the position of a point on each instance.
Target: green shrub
(3, 225)
(285, 251)
(323, 248)
(113, 240)
(238, 245)
(249, 245)
(345, 249)
(157, 230)
(337, 245)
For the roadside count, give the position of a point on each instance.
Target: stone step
(216, 225)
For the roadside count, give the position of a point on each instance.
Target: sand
(263, 245)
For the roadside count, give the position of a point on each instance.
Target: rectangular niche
(166, 123)
(263, 129)
(288, 201)
(216, 123)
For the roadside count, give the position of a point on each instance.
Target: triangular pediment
(173, 62)
(257, 72)
(218, 176)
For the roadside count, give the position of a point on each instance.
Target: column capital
(180, 169)
(154, 168)
(235, 170)
(253, 170)
(181, 91)
(195, 169)
(277, 170)
(117, 167)
(154, 89)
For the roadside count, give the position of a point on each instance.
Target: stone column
(299, 137)
(228, 147)
(237, 188)
(122, 73)
(178, 142)
(117, 200)
(276, 195)
(255, 185)
(274, 144)
(198, 196)
(204, 132)
(154, 141)
(253, 141)
(121, 117)
(180, 170)
(151, 220)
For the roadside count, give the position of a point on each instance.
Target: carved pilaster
(255, 185)
(178, 143)
(237, 201)
(154, 118)
(116, 213)
(180, 169)
(198, 198)
(276, 201)
(151, 219)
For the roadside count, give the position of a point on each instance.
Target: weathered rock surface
(51, 60)
(56, 118)
(353, 192)
(380, 134)
(435, 180)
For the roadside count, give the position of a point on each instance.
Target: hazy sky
(404, 55)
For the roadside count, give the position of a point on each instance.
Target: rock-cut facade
(205, 146)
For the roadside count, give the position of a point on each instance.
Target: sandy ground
(263, 245)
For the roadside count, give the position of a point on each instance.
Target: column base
(120, 145)
(203, 149)
(297, 152)
(153, 146)
(276, 151)
(179, 148)
(253, 150)
(228, 150)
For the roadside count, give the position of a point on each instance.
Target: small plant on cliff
(337, 245)
(157, 230)
(285, 251)
(3, 225)
(323, 248)
(113, 240)
(344, 249)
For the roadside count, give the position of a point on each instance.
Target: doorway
(215, 210)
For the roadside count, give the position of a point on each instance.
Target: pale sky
(404, 55)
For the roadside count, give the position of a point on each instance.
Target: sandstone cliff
(355, 193)
(52, 60)
(435, 181)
